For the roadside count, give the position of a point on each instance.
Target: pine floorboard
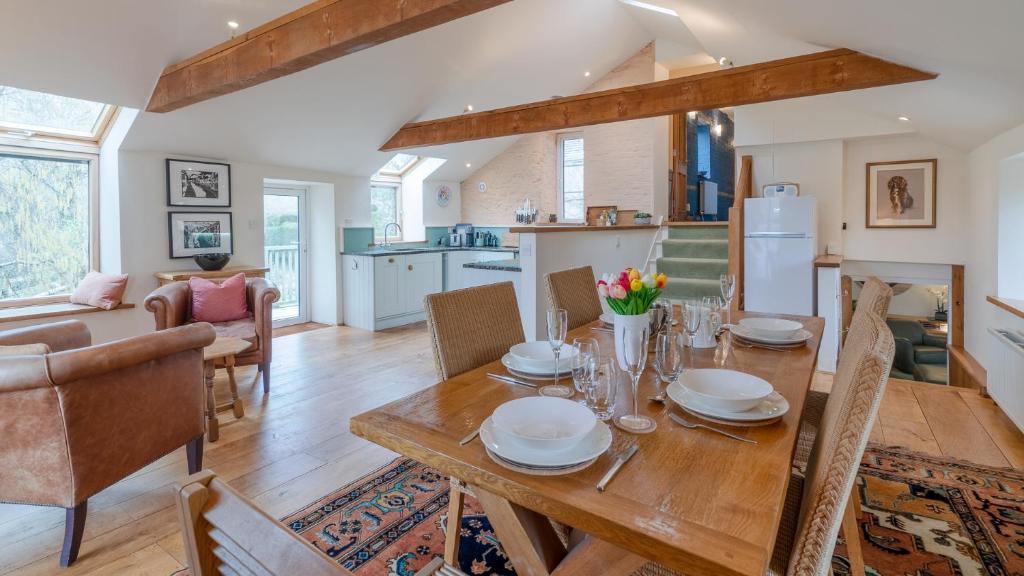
(294, 447)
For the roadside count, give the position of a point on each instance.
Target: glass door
(285, 251)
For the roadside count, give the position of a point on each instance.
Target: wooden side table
(215, 275)
(222, 352)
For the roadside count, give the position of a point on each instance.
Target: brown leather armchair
(76, 418)
(171, 305)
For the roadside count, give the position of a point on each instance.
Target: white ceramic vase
(637, 321)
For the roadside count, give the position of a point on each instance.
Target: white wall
(817, 167)
(981, 219)
(810, 119)
(916, 301)
(1011, 227)
(434, 215)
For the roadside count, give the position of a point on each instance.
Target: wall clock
(444, 195)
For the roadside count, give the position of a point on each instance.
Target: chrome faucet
(386, 228)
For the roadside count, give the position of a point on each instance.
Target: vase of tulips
(630, 295)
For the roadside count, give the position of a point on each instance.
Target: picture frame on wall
(192, 233)
(902, 194)
(199, 184)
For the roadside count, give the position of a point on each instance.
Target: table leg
(236, 403)
(212, 425)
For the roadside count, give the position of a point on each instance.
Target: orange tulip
(660, 281)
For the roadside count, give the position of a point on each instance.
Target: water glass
(713, 304)
(602, 390)
(668, 354)
(558, 324)
(634, 351)
(584, 362)
(692, 312)
(727, 283)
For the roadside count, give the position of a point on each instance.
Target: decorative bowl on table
(538, 356)
(544, 423)
(212, 262)
(775, 328)
(727, 390)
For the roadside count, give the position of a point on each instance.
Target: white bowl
(772, 327)
(538, 356)
(727, 390)
(544, 423)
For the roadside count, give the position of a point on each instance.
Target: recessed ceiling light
(586, 74)
(469, 108)
(232, 24)
(468, 165)
(652, 7)
(903, 119)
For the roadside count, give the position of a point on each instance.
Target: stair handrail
(654, 244)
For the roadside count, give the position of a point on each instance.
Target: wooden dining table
(693, 500)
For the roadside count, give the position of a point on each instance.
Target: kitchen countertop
(579, 228)
(512, 265)
(379, 251)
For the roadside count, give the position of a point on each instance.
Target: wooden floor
(294, 446)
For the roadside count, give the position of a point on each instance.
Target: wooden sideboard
(215, 275)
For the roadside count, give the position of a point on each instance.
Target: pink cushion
(100, 290)
(212, 302)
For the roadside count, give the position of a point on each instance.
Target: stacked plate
(776, 332)
(544, 436)
(728, 397)
(536, 360)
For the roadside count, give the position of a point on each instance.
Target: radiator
(1006, 375)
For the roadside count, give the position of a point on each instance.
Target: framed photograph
(191, 233)
(901, 194)
(192, 183)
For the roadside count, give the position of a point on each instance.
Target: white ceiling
(334, 117)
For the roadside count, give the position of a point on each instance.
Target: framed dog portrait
(191, 233)
(901, 194)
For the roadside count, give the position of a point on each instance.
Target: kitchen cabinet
(456, 276)
(830, 307)
(384, 291)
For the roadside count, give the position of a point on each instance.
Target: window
(385, 208)
(399, 165)
(27, 113)
(570, 177)
(47, 222)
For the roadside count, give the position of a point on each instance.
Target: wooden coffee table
(222, 353)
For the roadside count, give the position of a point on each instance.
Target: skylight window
(399, 164)
(27, 113)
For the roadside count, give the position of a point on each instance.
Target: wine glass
(558, 323)
(713, 304)
(634, 351)
(602, 389)
(668, 354)
(583, 363)
(692, 312)
(727, 282)
(669, 311)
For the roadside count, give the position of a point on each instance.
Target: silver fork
(694, 425)
(736, 342)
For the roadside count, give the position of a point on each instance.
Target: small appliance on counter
(454, 239)
(465, 234)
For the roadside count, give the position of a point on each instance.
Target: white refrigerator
(779, 251)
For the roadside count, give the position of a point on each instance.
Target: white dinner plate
(590, 447)
(801, 336)
(771, 408)
(512, 364)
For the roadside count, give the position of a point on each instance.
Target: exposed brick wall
(618, 162)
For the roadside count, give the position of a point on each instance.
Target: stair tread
(696, 240)
(702, 281)
(694, 260)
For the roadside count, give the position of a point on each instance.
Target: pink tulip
(617, 291)
(602, 290)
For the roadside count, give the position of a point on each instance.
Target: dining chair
(875, 297)
(225, 533)
(575, 291)
(469, 328)
(822, 502)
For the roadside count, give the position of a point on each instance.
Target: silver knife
(469, 437)
(510, 380)
(622, 459)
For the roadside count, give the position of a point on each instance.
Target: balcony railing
(283, 262)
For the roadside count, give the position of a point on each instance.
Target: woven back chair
(226, 534)
(575, 291)
(875, 297)
(850, 413)
(472, 327)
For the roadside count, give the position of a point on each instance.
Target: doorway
(285, 251)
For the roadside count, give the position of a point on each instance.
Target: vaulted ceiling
(333, 117)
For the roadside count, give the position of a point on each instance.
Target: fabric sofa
(919, 355)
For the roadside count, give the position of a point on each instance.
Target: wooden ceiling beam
(809, 75)
(311, 35)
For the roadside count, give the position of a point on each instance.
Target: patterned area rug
(922, 516)
(928, 516)
(392, 522)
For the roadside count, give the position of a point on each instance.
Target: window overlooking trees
(385, 207)
(570, 177)
(28, 113)
(45, 222)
